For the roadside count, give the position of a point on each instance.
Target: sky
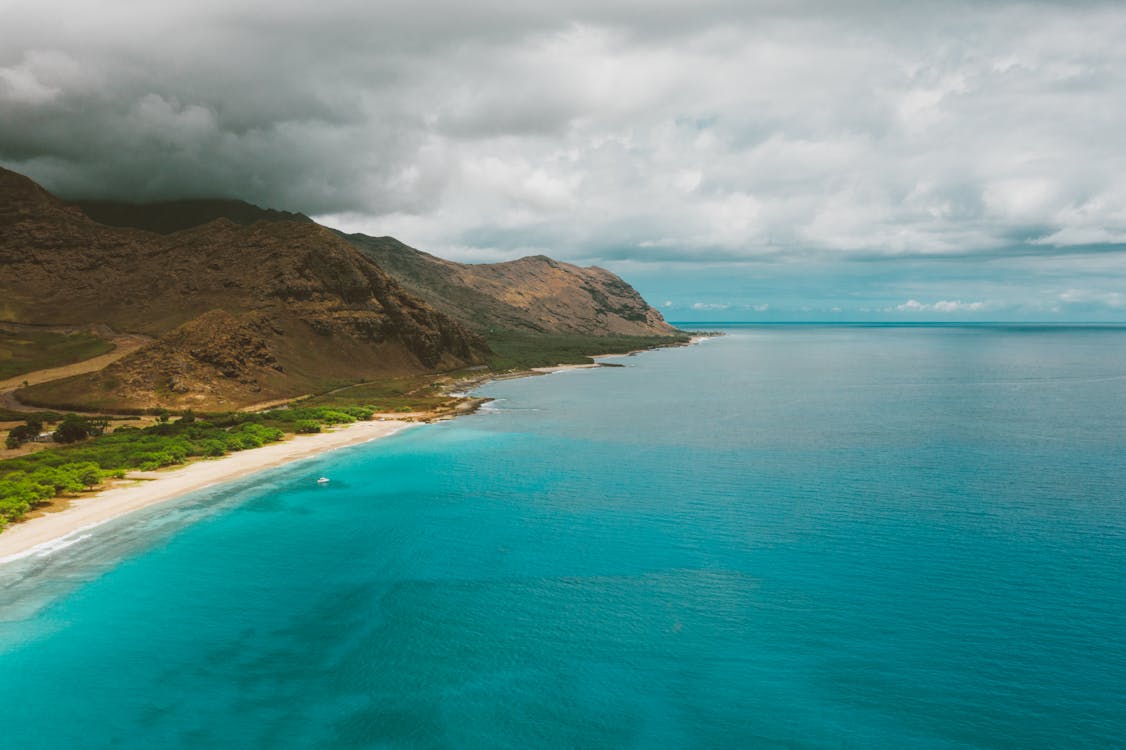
(733, 159)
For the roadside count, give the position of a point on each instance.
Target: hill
(249, 305)
(534, 294)
(242, 313)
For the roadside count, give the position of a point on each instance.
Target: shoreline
(46, 533)
(463, 386)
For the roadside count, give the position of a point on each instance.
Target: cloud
(709, 306)
(715, 131)
(1093, 297)
(941, 306)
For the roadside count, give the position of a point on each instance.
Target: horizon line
(902, 322)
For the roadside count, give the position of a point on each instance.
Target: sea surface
(788, 537)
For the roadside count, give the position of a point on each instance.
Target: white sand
(51, 530)
(564, 368)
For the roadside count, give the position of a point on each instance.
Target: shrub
(307, 426)
(241, 441)
(87, 473)
(262, 433)
(59, 479)
(153, 460)
(363, 413)
(336, 417)
(179, 450)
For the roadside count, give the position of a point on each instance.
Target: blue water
(791, 536)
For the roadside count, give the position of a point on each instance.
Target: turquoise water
(792, 536)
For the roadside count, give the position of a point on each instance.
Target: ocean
(791, 536)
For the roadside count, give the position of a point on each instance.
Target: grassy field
(37, 350)
(48, 417)
(519, 351)
(403, 394)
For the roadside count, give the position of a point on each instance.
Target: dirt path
(263, 405)
(124, 344)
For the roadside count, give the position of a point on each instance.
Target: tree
(72, 429)
(20, 434)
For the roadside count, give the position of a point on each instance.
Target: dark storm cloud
(621, 130)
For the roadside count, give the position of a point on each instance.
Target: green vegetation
(403, 394)
(21, 490)
(90, 456)
(46, 417)
(27, 351)
(21, 434)
(319, 415)
(519, 351)
(29, 480)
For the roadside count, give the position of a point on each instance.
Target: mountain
(249, 305)
(173, 216)
(243, 314)
(534, 294)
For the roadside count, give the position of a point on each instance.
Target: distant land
(243, 305)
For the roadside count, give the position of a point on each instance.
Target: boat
(323, 480)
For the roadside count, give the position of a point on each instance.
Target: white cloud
(1093, 297)
(709, 306)
(941, 306)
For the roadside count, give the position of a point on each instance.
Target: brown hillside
(535, 294)
(295, 305)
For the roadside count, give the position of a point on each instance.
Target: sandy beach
(53, 529)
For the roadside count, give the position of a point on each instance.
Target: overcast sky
(734, 160)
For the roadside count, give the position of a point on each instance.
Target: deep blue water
(791, 536)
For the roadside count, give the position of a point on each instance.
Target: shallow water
(791, 536)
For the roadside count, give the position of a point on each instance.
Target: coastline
(463, 386)
(45, 533)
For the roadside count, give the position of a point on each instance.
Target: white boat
(323, 480)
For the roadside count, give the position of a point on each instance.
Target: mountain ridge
(298, 307)
(535, 293)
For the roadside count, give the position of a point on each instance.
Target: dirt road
(124, 344)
